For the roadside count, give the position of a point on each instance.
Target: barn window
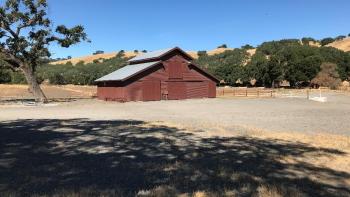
(175, 70)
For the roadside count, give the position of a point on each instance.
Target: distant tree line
(61, 74)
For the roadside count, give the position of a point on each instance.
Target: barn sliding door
(176, 90)
(151, 90)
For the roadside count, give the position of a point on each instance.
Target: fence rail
(245, 92)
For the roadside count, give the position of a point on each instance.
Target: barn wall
(111, 93)
(197, 89)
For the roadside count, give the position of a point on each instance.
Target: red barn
(159, 75)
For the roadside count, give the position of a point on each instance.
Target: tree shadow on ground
(124, 157)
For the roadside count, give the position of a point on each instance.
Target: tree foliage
(228, 65)
(341, 37)
(247, 46)
(276, 61)
(307, 40)
(328, 76)
(326, 41)
(222, 46)
(25, 34)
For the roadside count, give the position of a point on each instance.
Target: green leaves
(71, 36)
(27, 33)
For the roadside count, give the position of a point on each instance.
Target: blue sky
(113, 25)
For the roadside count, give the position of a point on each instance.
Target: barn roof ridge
(156, 54)
(127, 71)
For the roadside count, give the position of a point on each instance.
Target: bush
(18, 78)
(5, 75)
(328, 76)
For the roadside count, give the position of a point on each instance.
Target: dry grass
(128, 54)
(343, 45)
(91, 58)
(8, 92)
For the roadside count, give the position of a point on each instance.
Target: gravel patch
(237, 114)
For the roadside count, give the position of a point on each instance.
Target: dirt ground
(8, 92)
(285, 146)
(271, 114)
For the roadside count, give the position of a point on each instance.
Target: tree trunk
(33, 84)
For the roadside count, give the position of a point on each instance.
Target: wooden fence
(244, 92)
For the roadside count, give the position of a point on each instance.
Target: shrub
(5, 75)
(328, 76)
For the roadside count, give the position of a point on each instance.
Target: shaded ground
(125, 157)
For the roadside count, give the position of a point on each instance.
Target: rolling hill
(343, 45)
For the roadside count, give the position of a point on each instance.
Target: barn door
(211, 89)
(176, 90)
(151, 90)
(175, 69)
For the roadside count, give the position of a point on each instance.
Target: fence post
(234, 92)
(258, 94)
(271, 93)
(307, 94)
(246, 92)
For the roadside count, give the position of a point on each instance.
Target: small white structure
(320, 98)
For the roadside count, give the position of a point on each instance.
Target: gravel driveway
(274, 114)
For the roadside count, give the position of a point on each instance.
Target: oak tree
(25, 34)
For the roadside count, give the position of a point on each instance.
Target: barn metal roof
(150, 55)
(126, 72)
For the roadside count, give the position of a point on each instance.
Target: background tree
(25, 34)
(201, 53)
(341, 37)
(247, 46)
(326, 41)
(98, 52)
(307, 40)
(328, 76)
(222, 46)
